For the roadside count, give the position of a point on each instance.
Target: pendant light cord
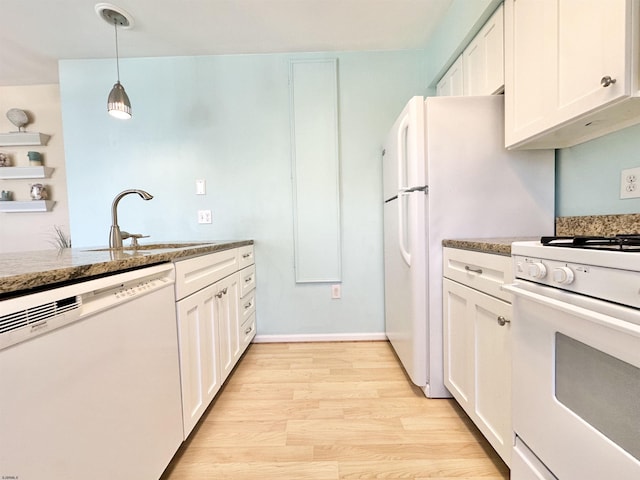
(115, 26)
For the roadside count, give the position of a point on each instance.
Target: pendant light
(118, 103)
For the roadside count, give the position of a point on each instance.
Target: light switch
(201, 187)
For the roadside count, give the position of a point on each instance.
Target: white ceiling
(34, 34)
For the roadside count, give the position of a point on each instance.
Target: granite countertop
(32, 270)
(499, 246)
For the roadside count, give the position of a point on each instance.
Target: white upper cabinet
(479, 70)
(452, 83)
(571, 72)
(483, 59)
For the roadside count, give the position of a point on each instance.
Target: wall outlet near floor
(630, 183)
(204, 216)
(336, 291)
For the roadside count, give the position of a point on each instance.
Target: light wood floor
(330, 411)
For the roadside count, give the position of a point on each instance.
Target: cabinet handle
(246, 255)
(503, 321)
(248, 279)
(607, 80)
(221, 292)
(474, 270)
(248, 330)
(248, 305)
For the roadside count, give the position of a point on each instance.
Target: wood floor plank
(448, 468)
(257, 471)
(331, 411)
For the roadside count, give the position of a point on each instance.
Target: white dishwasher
(89, 379)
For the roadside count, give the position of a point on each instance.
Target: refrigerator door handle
(403, 241)
(403, 161)
(423, 188)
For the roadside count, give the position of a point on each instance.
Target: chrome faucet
(115, 235)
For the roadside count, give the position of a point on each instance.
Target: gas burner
(626, 243)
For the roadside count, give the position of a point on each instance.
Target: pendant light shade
(118, 103)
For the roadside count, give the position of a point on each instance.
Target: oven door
(576, 382)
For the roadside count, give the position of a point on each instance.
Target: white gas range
(576, 358)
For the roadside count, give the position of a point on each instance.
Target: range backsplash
(598, 225)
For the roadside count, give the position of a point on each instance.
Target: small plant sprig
(60, 240)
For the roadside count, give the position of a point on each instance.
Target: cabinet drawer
(247, 307)
(247, 280)
(247, 332)
(245, 256)
(196, 273)
(486, 272)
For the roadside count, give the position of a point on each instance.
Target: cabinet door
(452, 83)
(592, 42)
(226, 297)
(477, 360)
(458, 342)
(491, 319)
(198, 341)
(530, 53)
(483, 59)
(557, 53)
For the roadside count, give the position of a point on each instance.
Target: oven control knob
(563, 275)
(537, 270)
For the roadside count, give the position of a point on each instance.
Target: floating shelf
(16, 139)
(10, 173)
(28, 206)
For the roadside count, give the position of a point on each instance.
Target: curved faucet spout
(115, 236)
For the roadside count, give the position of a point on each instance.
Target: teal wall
(226, 119)
(588, 175)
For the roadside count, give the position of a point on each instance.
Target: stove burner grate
(626, 243)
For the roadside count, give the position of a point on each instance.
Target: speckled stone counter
(23, 271)
(598, 225)
(498, 246)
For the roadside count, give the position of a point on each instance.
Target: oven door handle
(589, 315)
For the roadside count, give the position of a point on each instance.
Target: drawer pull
(474, 270)
(248, 305)
(503, 321)
(248, 330)
(248, 279)
(246, 255)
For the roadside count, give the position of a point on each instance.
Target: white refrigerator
(447, 175)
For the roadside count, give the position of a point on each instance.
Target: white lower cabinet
(477, 342)
(198, 334)
(211, 337)
(226, 301)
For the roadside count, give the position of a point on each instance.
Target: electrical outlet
(336, 291)
(630, 183)
(204, 216)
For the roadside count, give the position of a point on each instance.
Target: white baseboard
(320, 337)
